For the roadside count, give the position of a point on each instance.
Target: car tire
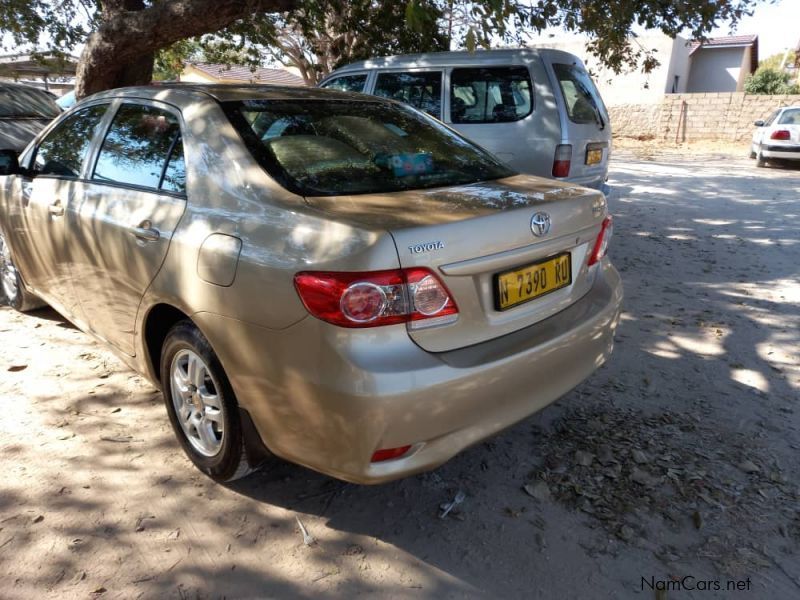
(12, 288)
(201, 405)
(760, 161)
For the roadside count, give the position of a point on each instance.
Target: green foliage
(319, 35)
(774, 61)
(770, 81)
(169, 62)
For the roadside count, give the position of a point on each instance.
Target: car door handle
(56, 209)
(145, 231)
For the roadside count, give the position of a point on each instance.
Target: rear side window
(27, 102)
(175, 173)
(420, 90)
(143, 148)
(62, 151)
(490, 95)
(347, 83)
(580, 95)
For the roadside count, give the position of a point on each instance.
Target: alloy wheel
(197, 402)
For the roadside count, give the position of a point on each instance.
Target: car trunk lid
(469, 234)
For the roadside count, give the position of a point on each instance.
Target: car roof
(15, 85)
(181, 93)
(461, 58)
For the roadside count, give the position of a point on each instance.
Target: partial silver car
(24, 112)
(778, 137)
(333, 278)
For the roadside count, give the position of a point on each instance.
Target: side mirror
(9, 162)
(759, 123)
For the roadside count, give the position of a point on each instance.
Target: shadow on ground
(709, 254)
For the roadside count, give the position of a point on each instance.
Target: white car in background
(777, 137)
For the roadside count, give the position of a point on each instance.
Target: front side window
(62, 151)
(420, 90)
(490, 95)
(337, 147)
(137, 147)
(347, 83)
(583, 101)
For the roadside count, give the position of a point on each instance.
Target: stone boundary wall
(692, 117)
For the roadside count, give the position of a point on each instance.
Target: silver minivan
(537, 110)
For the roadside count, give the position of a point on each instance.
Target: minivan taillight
(376, 298)
(781, 134)
(561, 160)
(602, 241)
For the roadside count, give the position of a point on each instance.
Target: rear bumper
(791, 152)
(596, 181)
(327, 398)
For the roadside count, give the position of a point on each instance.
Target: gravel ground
(678, 458)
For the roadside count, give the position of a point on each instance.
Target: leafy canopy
(317, 36)
(770, 81)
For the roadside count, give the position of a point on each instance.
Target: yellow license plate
(594, 156)
(532, 281)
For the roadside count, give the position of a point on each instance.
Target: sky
(777, 26)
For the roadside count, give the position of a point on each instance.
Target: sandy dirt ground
(677, 459)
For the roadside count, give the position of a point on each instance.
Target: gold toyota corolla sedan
(335, 279)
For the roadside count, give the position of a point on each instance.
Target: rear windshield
(790, 117)
(583, 101)
(27, 102)
(336, 147)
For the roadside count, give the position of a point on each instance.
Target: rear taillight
(377, 298)
(561, 160)
(781, 134)
(603, 239)
(389, 453)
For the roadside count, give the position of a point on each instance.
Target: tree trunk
(120, 52)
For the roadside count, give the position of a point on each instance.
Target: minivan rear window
(490, 95)
(338, 147)
(583, 101)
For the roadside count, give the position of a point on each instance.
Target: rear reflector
(781, 134)
(561, 160)
(389, 453)
(603, 239)
(375, 298)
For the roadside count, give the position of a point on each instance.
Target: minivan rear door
(588, 129)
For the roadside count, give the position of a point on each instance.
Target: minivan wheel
(11, 283)
(201, 405)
